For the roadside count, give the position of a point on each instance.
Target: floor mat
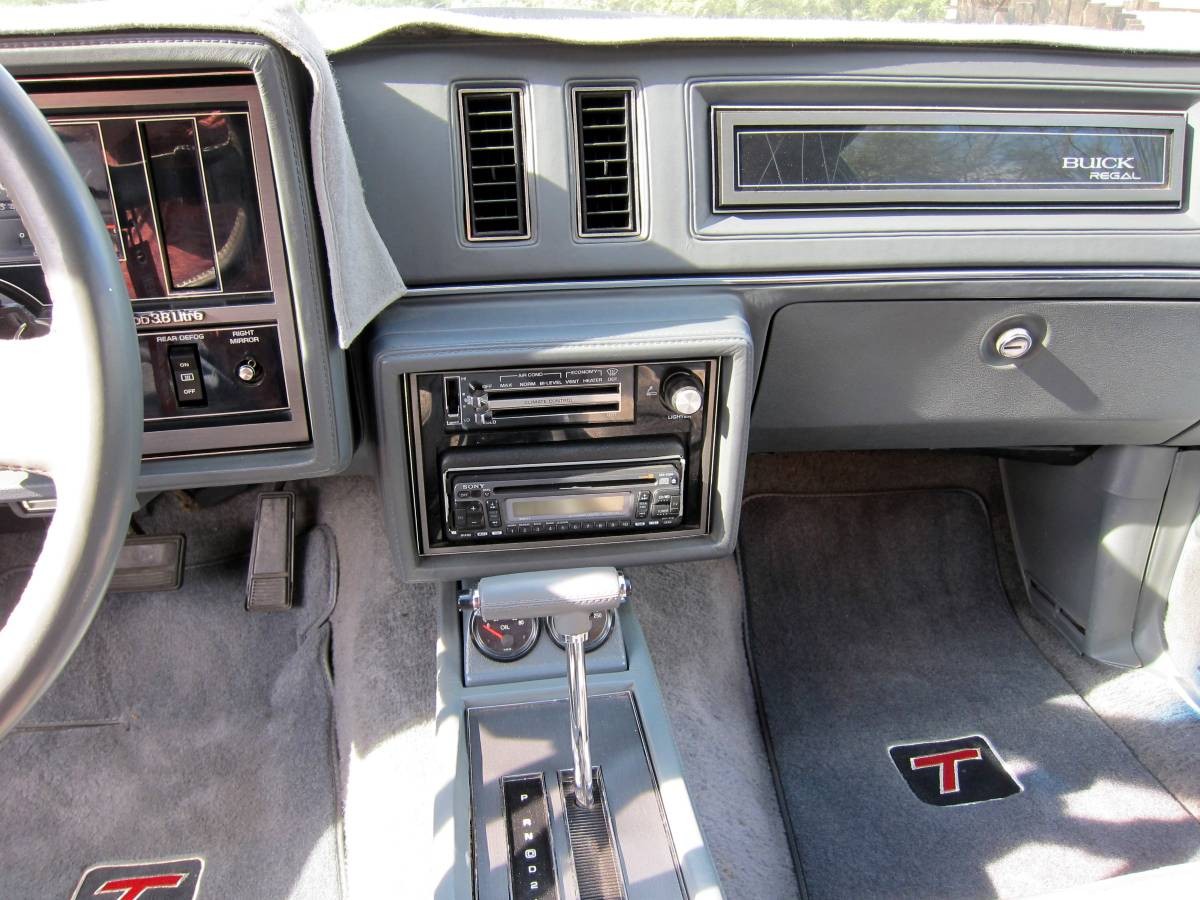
(184, 727)
(878, 620)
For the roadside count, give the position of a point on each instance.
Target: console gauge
(601, 628)
(503, 640)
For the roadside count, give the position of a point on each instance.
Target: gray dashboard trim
(997, 96)
(395, 96)
(729, 195)
(1110, 276)
(1053, 294)
(323, 364)
(533, 329)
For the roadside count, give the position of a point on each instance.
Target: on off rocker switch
(185, 374)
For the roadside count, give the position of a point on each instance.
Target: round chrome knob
(683, 394)
(1014, 343)
(248, 370)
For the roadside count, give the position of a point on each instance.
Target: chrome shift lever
(574, 628)
(570, 596)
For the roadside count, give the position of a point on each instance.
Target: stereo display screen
(564, 507)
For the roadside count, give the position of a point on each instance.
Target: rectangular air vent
(493, 164)
(605, 161)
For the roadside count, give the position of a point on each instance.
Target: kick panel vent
(493, 164)
(605, 160)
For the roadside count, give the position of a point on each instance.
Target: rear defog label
(176, 879)
(954, 772)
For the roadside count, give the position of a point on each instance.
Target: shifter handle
(570, 596)
(557, 592)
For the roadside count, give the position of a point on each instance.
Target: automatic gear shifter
(569, 596)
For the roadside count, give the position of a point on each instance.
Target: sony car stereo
(637, 493)
(562, 454)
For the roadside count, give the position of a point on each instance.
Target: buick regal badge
(1104, 168)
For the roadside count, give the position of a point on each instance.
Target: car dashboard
(833, 246)
(584, 317)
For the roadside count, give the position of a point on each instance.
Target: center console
(535, 432)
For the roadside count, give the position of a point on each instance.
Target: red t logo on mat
(935, 772)
(132, 888)
(172, 879)
(948, 783)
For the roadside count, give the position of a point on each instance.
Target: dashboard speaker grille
(604, 144)
(493, 165)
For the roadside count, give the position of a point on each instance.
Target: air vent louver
(604, 143)
(494, 165)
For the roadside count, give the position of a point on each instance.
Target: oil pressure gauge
(503, 640)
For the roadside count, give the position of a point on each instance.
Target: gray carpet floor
(880, 619)
(710, 702)
(385, 688)
(1142, 707)
(185, 726)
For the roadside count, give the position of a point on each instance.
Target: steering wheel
(70, 405)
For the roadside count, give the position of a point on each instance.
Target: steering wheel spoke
(70, 405)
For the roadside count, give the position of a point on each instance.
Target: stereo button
(683, 394)
(468, 515)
